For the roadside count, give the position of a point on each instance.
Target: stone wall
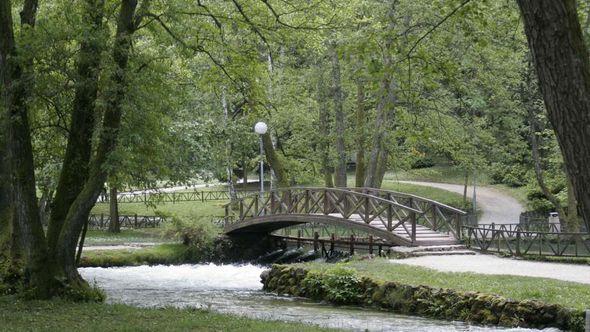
(342, 286)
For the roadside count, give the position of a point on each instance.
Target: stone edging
(342, 286)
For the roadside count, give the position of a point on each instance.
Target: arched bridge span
(396, 218)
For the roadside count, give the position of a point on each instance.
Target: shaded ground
(497, 207)
(488, 264)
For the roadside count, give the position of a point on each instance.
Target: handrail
(478, 227)
(448, 207)
(343, 190)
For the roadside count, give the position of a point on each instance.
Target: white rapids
(236, 289)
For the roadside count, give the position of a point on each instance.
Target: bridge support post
(316, 244)
(458, 226)
(332, 239)
(413, 221)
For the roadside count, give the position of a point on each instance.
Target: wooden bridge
(395, 218)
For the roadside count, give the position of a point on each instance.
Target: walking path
(497, 207)
(489, 264)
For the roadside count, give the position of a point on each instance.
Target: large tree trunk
(275, 162)
(80, 208)
(114, 225)
(16, 82)
(377, 164)
(324, 131)
(74, 171)
(361, 122)
(340, 125)
(561, 59)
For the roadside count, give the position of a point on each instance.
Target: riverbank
(483, 299)
(57, 315)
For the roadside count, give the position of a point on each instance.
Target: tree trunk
(361, 122)
(385, 112)
(80, 208)
(16, 82)
(74, 171)
(573, 218)
(324, 131)
(245, 175)
(539, 167)
(114, 225)
(465, 185)
(340, 125)
(561, 60)
(275, 161)
(379, 156)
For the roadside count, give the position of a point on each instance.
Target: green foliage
(59, 315)
(160, 254)
(338, 285)
(568, 294)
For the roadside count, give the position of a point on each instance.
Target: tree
(561, 61)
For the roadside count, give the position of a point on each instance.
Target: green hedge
(343, 286)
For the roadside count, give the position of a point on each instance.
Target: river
(236, 289)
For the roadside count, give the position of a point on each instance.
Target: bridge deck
(424, 235)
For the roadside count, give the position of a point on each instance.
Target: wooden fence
(174, 197)
(520, 240)
(102, 221)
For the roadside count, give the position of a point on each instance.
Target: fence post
(241, 210)
(389, 214)
(135, 216)
(326, 202)
(370, 244)
(316, 237)
(306, 202)
(351, 244)
(101, 220)
(518, 242)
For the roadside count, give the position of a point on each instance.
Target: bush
(339, 285)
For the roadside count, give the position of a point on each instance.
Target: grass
(142, 235)
(181, 209)
(439, 173)
(169, 253)
(519, 193)
(568, 294)
(439, 195)
(57, 315)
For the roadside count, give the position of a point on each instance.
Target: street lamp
(260, 128)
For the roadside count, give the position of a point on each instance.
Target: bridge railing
(350, 204)
(432, 214)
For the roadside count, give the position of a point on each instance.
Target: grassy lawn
(181, 209)
(143, 235)
(568, 294)
(16, 315)
(439, 195)
(168, 253)
(442, 173)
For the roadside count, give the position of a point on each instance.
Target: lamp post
(260, 128)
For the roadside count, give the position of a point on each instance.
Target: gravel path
(488, 264)
(497, 207)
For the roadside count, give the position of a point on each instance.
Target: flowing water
(236, 289)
